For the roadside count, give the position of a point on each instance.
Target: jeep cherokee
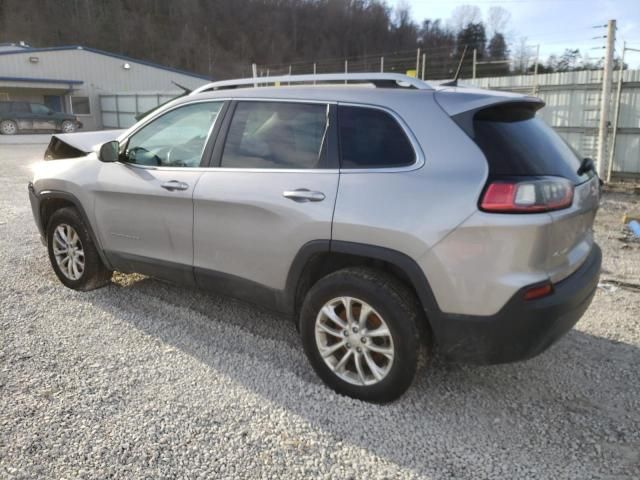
(383, 220)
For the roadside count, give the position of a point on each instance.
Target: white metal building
(72, 79)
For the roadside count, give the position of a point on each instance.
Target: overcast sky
(554, 24)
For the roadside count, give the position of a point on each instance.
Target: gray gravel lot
(147, 380)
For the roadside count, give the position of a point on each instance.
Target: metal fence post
(616, 115)
(346, 69)
(606, 97)
(381, 64)
(535, 71)
(417, 62)
(475, 61)
(314, 73)
(424, 61)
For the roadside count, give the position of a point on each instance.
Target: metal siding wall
(120, 110)
(573, 105)
(101, 74)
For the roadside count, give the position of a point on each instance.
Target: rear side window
(372, 138)
(4, 107)
(283, 135)
(517, 143)
(39, 109)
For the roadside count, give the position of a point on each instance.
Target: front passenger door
(144, 204)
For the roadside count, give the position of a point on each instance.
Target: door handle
(303, 195)
(173, 185)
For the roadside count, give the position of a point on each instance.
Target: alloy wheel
(354, 341)
(68, 251)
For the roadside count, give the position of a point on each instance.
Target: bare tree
(497, 20)
(521, 53)
(463, 15)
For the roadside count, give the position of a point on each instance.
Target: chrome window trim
(417, 150)
(419, 161)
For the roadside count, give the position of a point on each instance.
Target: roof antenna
(454, 82)
(187, 91)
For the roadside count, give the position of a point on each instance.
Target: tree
(521, 55)
(497, 20)
(473, 36)
(497, 48)
(463, 15)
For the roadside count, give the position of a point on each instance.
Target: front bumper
(522, 328)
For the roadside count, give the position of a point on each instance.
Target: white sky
(554, 24)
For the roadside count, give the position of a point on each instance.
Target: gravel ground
(147, 380)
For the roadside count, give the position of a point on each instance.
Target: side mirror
(109, 152)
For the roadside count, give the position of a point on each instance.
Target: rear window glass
(371, 138)
(517, 143)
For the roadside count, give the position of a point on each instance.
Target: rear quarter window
(518, 143)
(372, 138)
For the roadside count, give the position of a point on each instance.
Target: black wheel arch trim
(45, 195)
(403, 262)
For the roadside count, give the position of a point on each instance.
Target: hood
(73, 145)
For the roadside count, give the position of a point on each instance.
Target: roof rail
(388, 80)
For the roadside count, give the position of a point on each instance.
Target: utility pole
(535, 70)
(606, 98)
(475, 60)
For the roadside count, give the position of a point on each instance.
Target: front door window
(175, 139)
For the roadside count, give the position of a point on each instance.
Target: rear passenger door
(42, 117)
(272, 189)
(21, 113)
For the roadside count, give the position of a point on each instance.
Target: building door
(54, 102)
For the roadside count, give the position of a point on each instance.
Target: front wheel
(72, 253)
(359, 329)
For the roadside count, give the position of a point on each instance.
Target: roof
(29, 50)
(41, 80)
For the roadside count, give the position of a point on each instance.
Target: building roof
(28, 50)
(41, 80)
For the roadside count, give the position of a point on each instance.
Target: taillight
(527, 195)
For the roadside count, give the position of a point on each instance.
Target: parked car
(383, 220)
(16, 117)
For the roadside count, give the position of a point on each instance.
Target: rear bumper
(521, 329)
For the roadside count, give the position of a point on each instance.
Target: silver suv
(385, 216)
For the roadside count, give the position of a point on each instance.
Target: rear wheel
(8, 127)
(72, 253)
(68, 126)
(359, 329)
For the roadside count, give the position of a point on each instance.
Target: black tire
(401, 312)
(95, 274)
(68, 126)
(8, 127)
